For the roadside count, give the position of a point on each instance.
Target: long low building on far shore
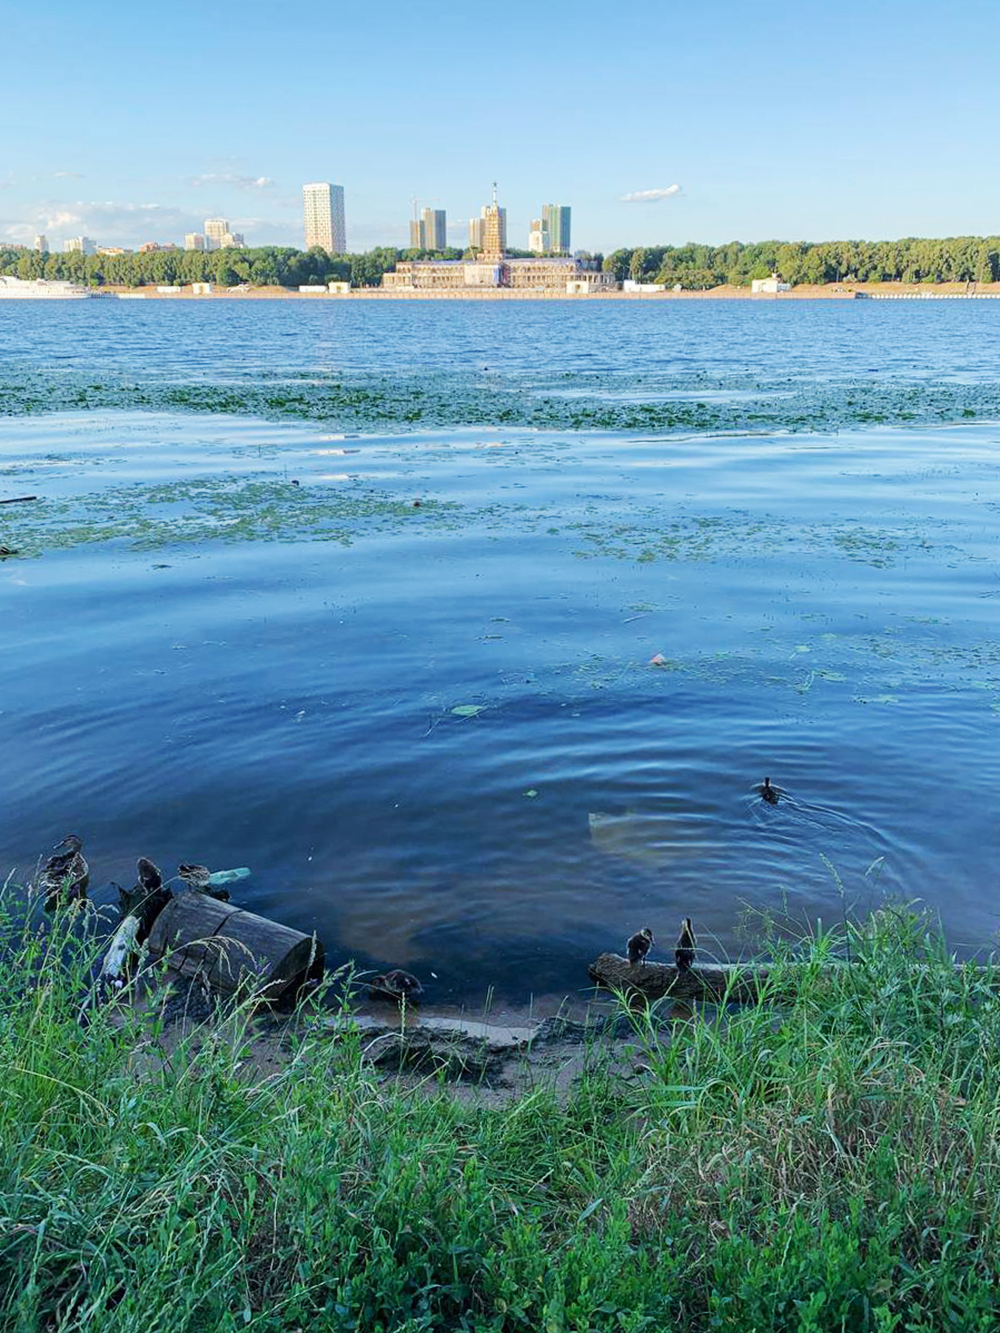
(548, 274)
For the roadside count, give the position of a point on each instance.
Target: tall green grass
(829, 1162)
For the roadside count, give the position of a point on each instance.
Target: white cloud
(108, 222)
(129, 225)
(232, 180)
(67, 175)
(650, 196)
(18, 233)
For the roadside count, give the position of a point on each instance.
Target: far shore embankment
(827, 292)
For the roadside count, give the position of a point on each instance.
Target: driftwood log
(741, 983)
(231, 949)
(654, 981)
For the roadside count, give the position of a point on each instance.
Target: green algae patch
(151, 517)
(864, 546)
(407, 399)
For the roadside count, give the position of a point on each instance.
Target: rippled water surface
(471, 628)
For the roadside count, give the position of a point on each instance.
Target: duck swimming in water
(769, 793)
(637, 946)
(65, 874)
(396, 985)
(686, 946)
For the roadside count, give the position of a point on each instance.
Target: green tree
(223, 272)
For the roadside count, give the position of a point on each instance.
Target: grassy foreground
(832, 1164)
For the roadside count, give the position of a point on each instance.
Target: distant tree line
(267, 266)
(278, 266)
(956, 259)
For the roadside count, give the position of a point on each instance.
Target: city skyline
(324, 225)
(791, 130)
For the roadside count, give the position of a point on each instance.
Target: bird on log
(65, 875)
(637, 946)
(147, 897)
(196, 877)
(686, 946)
(199, 878)
(683, 981)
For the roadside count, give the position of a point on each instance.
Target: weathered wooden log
(232, 949)
(654, 981)
(741, 983)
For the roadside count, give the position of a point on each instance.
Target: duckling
(769, 793)
(150, 876)
(65, 875)
(196, 877)
(396, 985)
(686, 946)
(637, 946)
(199, 879)
(147, 898)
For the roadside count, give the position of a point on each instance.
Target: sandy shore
(829, 292)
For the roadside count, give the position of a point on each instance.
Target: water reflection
(444, 740)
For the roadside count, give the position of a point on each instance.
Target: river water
(472, 628)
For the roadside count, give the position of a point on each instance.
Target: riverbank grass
(829, 1164)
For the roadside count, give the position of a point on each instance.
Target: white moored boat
(42, 289)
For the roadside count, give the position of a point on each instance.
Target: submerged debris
(218, 877)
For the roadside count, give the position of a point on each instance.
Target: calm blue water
(659, 552)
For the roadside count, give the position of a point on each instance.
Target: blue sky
(792, 120)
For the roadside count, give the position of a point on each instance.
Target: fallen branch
(654, 981)
(18, 499)
(741, 983)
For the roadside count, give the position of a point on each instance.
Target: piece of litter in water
(123, 945)
(531, 792)
(657, 660)
(229, 876)
(468, 710)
